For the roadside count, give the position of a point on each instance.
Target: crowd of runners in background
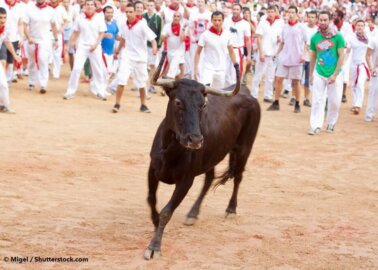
(325, 47)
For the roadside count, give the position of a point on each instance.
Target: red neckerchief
(2, 28)
(339, 25)
(99, 10)
(371, 28)
(190, 5)
(363, 38)
(131, 25)
(353, 28)
(176, 8)
(213, 30)
(89, 16)
(292, 23)
(175, 29)
(42, 5)
(54, 5)
(328, 33)
(10, 5)
(139, 17)
(238, 19)
(272, 21)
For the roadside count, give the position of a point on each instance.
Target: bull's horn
(168, 83)
(226, 92)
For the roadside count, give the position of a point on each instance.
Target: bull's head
(186, 104)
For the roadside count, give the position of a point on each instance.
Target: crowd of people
(314, 45)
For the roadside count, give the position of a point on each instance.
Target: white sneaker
(68, 96)
(315, 131)
(100, 96)
(369, 118)
(7, 110)
(25, 72)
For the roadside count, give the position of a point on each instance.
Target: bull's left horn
(226, 92)
(162, 82)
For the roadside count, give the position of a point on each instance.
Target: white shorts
(137, 70)
(174, 65)
(291, 73)
(151, 58)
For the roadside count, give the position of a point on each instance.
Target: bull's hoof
(230, 215)
(150, 254)
(190, 221)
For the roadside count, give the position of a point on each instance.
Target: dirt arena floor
(74, 183)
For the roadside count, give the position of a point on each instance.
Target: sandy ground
(73, 183)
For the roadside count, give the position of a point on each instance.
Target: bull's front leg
(181, 189)
(153, 183)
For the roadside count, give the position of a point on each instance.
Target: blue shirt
(107, 44)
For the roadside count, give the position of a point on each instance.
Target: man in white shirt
(174, 34)
(268, 33)
(15, 27)
(39, 19)
(88, 31)
(4, 37)
(133, 56)
(217, 47)
(61, 22)
(240, 31)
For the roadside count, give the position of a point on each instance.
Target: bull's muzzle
(192, 141)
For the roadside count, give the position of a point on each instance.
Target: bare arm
(231, 53)
(10, 48)
(369, 53)
(163, 38)
(98, 41)
(55, 33)
(21, 30)
(73, 39)
(27, 33)
(339, 64)
(248, 45)
(259, 48)
(154, 47)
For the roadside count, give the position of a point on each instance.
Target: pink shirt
(295, 39)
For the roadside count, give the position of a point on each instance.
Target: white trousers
(174, 60)
(38, 64)
(4, 90)
(267, 68)
(230, 70)
(321, 90)
(57, 57)
(214, 78)
(358, 87)
(98, 82)
(372, 103)
(109, 63)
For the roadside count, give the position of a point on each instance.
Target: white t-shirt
(238, 30)
(270, 35)
(14, 15)
(4, 36)
(60, 16)
(215, 49)
(175, 44)
(89, 29)
(199, 23)
(358, 50)
(168, 14)
(136, 41)
(310, 32)
(39, 21)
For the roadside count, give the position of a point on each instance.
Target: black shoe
(268, 100)
(144, 108)
(274, 107)
(31, 87)
(42, 91)
(307, 102)
(116, 108)
(292, 101)
(285, 94)
(344, 99)
(297, 108)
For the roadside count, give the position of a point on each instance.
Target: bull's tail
(229, 174)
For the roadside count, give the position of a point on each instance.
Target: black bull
(193, 138)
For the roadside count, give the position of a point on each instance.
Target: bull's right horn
(167, 83)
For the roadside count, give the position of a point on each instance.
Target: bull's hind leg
(193, 213)
(181, 189)
(238, 160)
(153, 183)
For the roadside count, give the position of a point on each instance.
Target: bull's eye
(178, 103)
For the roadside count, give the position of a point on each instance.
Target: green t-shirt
(326, 53)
